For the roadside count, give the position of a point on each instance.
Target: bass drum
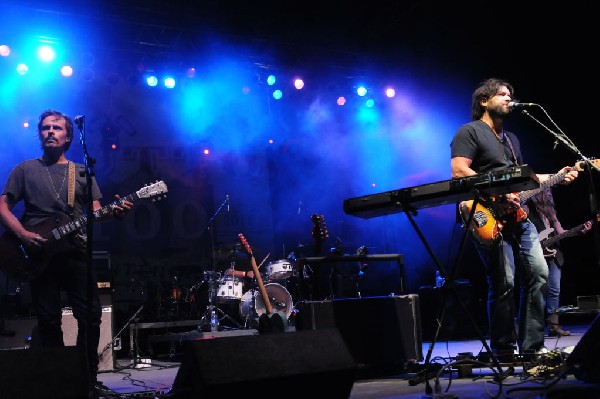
(253, 306)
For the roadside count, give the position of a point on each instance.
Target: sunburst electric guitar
(491, 214)
(23, 263)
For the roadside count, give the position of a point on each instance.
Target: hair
(68, 125)
(486, 89)
(544, 202)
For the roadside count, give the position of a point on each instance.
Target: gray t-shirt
(44, 190)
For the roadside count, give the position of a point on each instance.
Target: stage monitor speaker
(105, 348)
(584, 361)
(267, 366)
(382, 333)
(43, 373)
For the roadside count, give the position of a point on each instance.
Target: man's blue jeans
(516, 258)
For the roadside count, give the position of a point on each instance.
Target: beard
(53, 152)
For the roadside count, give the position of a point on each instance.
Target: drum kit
(236, 300)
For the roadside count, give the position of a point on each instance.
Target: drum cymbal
(224, 256)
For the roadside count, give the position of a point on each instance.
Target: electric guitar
(491, 214)
(548, 241)
(269, 322)
(23, 263)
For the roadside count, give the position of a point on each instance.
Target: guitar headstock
(244, 242)
(154, 191)
(581, 165)
(319, 231)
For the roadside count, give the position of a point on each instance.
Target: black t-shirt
(476, 141)
(44, 190)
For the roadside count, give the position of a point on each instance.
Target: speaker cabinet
(383, 334)
(105, 348)
(267, 366)
(43, 373)
(584, 361)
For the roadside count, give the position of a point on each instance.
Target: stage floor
(533, 378)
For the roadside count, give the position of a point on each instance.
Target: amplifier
(105, 348)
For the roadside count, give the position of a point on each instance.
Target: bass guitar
(491, 214)
(549, 241)
(23, 263)
(269, 322)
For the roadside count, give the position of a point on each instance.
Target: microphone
(79, 119)
(514, 104)
(227, 200)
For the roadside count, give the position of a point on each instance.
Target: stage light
(341, 100)
(271, 80)
(46, 53)
(361, 91)
(169, 82)
(370, 103)
(390, 92)
(151, 80)
(277, 94)
(190, 72)
(22, 69)
(4, 50)
(66, 71)
(299, 83)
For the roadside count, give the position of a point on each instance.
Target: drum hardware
(229, 292)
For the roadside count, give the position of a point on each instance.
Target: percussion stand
(212, 283)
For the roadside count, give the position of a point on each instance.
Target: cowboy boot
(554, 329)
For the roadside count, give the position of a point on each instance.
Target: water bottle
(214, 321)
(439, 280)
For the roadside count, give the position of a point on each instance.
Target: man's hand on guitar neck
(570, 174)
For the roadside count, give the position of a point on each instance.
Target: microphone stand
(563, 138)
(89, 172)
(211, 281)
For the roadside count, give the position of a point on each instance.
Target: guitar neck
(569, 233)
(551, 181)
(261, 286)
(79, 223)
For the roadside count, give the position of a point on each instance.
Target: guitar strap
(71, 200)
(512, 150)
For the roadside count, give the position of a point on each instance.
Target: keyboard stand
(448, 288)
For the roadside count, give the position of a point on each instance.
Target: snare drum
(230, 288)
(279, 270)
